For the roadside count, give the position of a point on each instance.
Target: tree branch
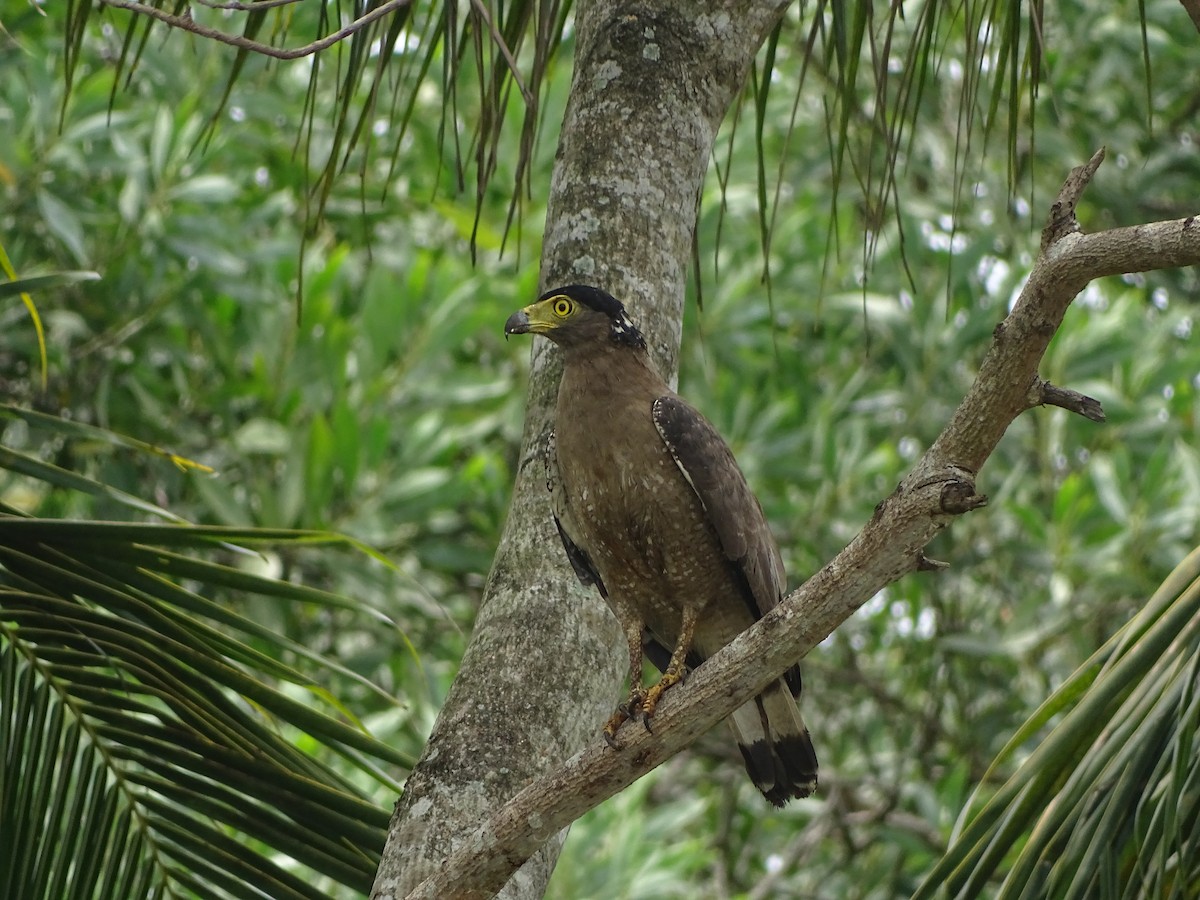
(238, 6)
(940, 487)
(1043, 393)
(185, 22)
(1062, 221)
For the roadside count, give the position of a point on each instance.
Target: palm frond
(1108, 803)
(154, 740)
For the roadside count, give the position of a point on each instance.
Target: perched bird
(653, 510)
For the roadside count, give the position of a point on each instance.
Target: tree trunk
(651, 85)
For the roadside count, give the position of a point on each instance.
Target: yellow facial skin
(542, 317)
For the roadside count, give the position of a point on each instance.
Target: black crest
(623, 329)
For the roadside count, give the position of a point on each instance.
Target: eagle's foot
(670, 678)
(630, 709)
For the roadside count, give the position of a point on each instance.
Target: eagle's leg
(676, 668)
(637, 694)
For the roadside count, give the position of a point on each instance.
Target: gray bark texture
(652, 83)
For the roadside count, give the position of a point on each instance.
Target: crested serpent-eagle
(654, 511)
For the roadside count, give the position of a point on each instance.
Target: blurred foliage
(386, 406)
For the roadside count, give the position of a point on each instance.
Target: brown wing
(734, 512)
(732, 509)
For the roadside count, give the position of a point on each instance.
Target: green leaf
(205, 189)
(63, 223)
(44, 282)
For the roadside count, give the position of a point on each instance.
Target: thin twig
(187, 23)
(1043, 393)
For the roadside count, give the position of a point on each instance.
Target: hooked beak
(518, 323)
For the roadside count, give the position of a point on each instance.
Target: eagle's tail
(775, 744)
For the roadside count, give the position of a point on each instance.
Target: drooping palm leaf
(392, 54)
(876, 63)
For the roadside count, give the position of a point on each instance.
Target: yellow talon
(670, 678)
(630, 709)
